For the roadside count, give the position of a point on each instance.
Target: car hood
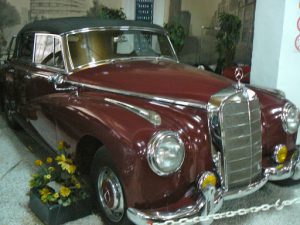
(155, 77)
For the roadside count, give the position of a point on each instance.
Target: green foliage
(227, 38)
(104, 12)
(108, 13)
(177, 35)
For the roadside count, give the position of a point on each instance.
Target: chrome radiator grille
(241, 140)
(235, 124)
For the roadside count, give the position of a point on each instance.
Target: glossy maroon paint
(70, 118)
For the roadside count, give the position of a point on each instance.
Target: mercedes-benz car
(161, 140)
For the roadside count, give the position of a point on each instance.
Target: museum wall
(201, 14)
(25, 11)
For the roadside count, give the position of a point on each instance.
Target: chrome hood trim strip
(149, 115)
(162, 99)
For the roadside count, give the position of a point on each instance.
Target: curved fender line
(149, 115)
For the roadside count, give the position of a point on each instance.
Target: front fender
(126, 135)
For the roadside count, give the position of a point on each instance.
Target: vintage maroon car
(161, 140)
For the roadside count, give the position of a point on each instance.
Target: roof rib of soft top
(64, 25)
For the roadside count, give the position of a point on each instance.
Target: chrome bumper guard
(210, 201)
(290, 169)
(246, 191)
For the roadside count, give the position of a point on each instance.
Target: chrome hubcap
(110, 194)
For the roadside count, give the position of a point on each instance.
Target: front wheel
(108, 190)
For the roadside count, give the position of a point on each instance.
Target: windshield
(95, 46)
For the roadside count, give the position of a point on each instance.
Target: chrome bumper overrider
(290, 169)
(208, 202)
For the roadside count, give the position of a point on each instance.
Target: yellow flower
(66, 164)
(44, 198)
(61, 145)
(61, 157)
(47, 177)
(38, 162)
(49, 160)
(78, 186)
(64, 191)
(56, 195)
(44, 192)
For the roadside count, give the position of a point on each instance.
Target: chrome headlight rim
(285, 112)
(152, 147)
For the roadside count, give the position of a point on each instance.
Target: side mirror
(58, 80)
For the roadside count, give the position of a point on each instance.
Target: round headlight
(165, 153)
(290, 118)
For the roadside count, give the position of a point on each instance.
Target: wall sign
(297, 43)
(144, 10)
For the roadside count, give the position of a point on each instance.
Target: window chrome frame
(71, 67)
(42, 66)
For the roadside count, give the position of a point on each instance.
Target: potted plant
(227, 39)
(177, 35)
(57, 194)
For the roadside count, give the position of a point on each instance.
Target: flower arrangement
(57, 180)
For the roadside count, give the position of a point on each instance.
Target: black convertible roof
(63, 25)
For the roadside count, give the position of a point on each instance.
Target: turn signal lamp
(280, 153)
(207, 179)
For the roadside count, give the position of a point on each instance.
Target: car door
(39, 59)
(47, 61)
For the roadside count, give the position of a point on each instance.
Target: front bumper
(211, 200)
(207, 202)
(290, 169)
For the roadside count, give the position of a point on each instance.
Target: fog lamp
(207, 179)
(280, 153)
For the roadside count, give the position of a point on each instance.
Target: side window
(125, 44)
(48, 51)
(26, 47)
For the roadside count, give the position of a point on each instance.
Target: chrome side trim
(163, 99)
(149, 115)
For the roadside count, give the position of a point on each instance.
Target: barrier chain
(278, 205)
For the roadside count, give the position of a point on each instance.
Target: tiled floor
(18, 152)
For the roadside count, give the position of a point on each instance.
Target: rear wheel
(108, 189)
